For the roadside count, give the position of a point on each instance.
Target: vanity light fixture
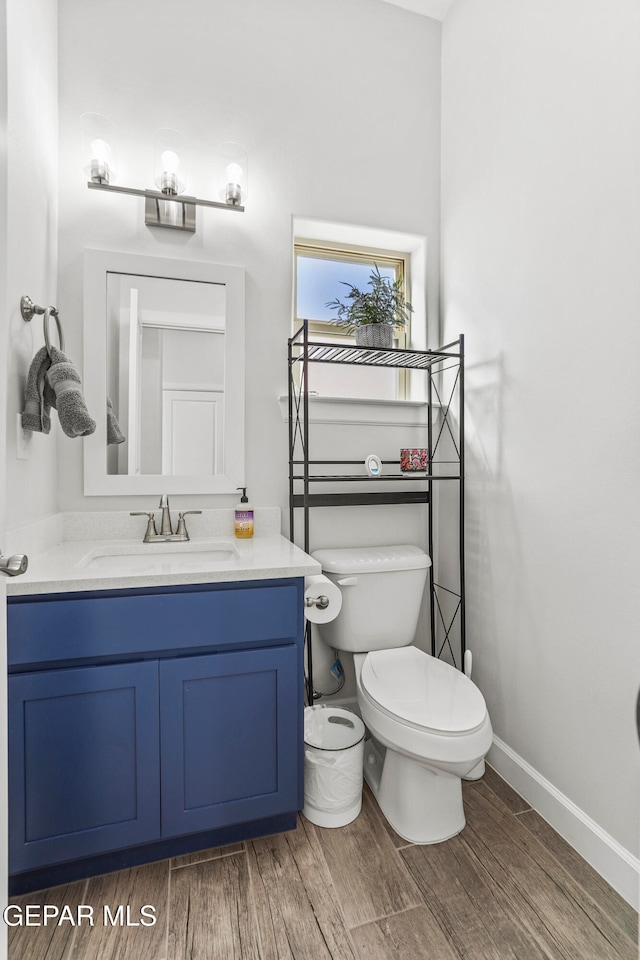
(98, 135)
(232, 173)
(167, 206)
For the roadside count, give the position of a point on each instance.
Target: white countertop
(116, 564)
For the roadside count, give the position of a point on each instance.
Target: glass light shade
(98, 145)
(233, 175)
(169, 161)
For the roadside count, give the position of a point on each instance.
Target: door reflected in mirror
(165, 375)
(164, 358)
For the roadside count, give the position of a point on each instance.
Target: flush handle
(348, 582)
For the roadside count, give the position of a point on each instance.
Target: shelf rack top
(368, 356)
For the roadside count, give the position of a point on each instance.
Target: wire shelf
(368, 356)
(360, 478)
(445, 391)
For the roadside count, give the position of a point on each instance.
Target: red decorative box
(414, 461)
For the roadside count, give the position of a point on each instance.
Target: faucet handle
(151, 523)
(182, 527)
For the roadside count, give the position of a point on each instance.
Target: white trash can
(333, 759)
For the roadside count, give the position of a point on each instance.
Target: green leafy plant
(383, 303)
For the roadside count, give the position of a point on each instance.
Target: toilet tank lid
(351, 560)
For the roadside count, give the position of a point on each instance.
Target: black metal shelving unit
(444, 369)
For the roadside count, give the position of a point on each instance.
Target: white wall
(4, 355)
(32, 222)
(338, 104)
(540, 250)
(28, 228)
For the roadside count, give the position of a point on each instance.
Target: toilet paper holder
(320, 602)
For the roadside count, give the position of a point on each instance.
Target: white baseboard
(619, 867)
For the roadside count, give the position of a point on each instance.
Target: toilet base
(422, 805)
(477, 773)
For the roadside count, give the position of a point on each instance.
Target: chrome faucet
(165, 523)
(166, 534)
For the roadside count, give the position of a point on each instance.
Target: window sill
(359, 410)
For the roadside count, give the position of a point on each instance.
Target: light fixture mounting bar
(157, 195)
(157, 213)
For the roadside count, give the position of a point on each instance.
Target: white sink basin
(161, 558)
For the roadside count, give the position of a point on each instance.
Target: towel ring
(29, 310)
(52, 312)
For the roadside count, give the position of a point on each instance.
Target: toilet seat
(420, 691)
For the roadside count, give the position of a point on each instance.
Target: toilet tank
(382, 589)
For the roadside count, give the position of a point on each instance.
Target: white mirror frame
(97, 482)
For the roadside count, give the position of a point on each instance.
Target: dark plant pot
(377, 335)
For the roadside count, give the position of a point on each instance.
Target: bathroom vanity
(154, 714)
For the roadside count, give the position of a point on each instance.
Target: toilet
(427, 722)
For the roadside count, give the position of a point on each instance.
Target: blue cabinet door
(229, 738)
(83, 762)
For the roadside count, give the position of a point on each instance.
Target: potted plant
(373, 313)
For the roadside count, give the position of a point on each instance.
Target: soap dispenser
(244, 517)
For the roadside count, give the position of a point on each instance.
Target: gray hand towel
(39, 396)
(63, 377)
(114, 433)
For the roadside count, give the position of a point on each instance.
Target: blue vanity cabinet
(228, 733)
(149, 722)
(83, 762)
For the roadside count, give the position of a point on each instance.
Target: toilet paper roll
(316, 588)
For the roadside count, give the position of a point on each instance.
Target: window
(321, 272)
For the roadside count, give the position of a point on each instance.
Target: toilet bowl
(429, 728)
(427, 722)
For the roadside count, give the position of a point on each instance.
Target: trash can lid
(331, 728)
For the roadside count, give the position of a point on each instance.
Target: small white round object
(373, 465)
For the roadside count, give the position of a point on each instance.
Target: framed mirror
(163, 375)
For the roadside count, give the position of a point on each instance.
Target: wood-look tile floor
(506, 888)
